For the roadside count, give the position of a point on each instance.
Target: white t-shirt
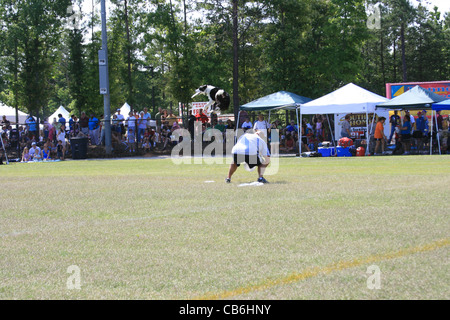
(251, 144)
(247, 125)
(131, 121)
(261, 125)
(120, 118)
(61, 136)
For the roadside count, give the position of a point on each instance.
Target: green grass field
(149, 229)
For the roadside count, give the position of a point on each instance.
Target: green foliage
(162, 50)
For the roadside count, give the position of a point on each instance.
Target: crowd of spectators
(136, 131)
(412, 132)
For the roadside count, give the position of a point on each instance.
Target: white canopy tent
(347, 99)
(10, 114)
(125, 110)
(61, 110)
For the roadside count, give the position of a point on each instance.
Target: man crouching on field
(252, 150)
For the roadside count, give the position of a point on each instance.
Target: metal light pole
(104, 80)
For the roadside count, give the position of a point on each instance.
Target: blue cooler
(325, 152)
(343, 152)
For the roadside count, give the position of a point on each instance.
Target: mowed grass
(150, 229)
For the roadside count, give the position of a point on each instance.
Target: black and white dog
(218, 98)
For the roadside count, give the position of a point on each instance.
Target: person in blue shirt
(405, 133)
(32, 127)
(71, 122)
(422, 123)
(94, 129)
(292, 127)
(61, 120)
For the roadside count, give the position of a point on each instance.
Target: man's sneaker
(262, 180)
(227, 180)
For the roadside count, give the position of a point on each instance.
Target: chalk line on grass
(316, 271)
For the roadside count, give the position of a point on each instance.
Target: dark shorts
(406, 136)
(251, 160)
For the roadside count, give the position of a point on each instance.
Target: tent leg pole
(431, 137)
(369, 134)
(367, 130)
(437, 132)
(298, 110)
(332, 135)
(298, 134)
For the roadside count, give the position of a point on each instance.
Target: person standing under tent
(379, 136)
(394, 121)
(262, 125)
(405, 134)
(345, 129)
(439, 120)
(412, 120)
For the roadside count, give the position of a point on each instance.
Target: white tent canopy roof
(10, 114)
(348, 99)
(60, 110)
(125, 110)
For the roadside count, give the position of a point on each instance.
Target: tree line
(160, 51)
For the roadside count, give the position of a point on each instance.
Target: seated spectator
(165, 134)
(26, 156)
(53, 150)
(220, 126)
(46, 153)
(230, 125)
(247, 124)
(35, 151)
(288, 143)
(175, 126)
(60, 150)
(291, 127)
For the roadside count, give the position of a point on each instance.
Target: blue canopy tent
(275, 101)
(280, 99)
(443, 105)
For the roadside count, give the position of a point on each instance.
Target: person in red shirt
(379, 136)
(201, 116)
